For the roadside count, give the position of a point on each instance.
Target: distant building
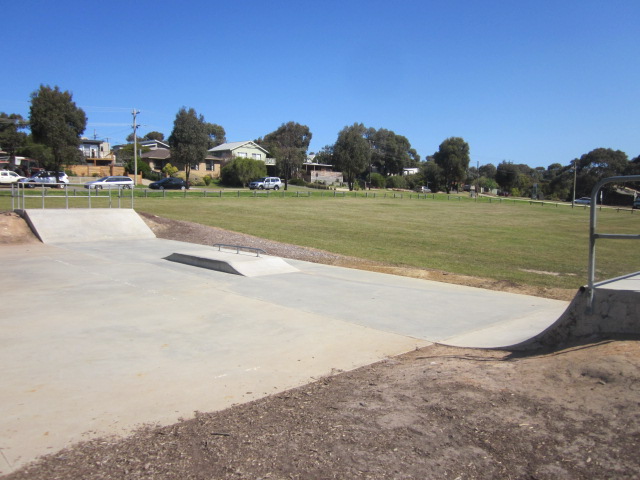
(96, 152)
(246, 149)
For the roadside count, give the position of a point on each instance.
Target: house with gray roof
(246, 149)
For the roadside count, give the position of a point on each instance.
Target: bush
(240, 171)
(195, 179)
(319, 186)
(207, 180)
(169, 170)
(378, 181)
(396, 181)
(414, 181)
(298, 182)
(143, 167)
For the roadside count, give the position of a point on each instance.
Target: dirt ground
(437, 412)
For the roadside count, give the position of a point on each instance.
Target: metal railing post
(593, 236)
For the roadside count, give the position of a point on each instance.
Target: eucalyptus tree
(216, 133)
(453, 159)
(352, 152)
(57, 122)
(390, 152)
(159, 136)
(189, 140)
(11, 138)
(288, 145)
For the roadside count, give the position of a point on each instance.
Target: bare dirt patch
(437, 412)
(14, 230)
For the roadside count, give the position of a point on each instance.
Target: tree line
(367, 157)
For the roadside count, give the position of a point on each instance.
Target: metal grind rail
(237, 248)
(593, 235)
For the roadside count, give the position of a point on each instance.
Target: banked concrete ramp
(615, 311)
(86, 225)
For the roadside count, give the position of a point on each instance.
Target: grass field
(500, 241)
(511, 241)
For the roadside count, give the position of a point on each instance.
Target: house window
(257, 156)
(242, 154)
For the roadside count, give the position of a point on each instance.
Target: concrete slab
(99, 343)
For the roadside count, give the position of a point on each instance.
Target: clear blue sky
(534, 82)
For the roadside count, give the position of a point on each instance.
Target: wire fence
(17, 196)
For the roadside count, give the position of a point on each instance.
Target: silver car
(46, 179)
(113, 181)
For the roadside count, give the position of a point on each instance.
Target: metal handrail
(593, 236)
(19, 192)
(257, 251)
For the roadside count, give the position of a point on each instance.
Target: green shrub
(396, 181)
(240, 171)
(207, 180)
(298, 182)
(378, 181)
(195, 179)
(169, 170)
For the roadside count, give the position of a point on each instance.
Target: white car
(266, 183)
(110, 182)
(46, 179)
(8, 177)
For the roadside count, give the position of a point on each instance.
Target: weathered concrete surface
(99, 342)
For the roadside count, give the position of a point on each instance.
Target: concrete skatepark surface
(119, 336)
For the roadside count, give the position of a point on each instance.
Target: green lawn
(494, 240)
(498, 241)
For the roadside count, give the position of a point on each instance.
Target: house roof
(91, 141)
(235, 145)
(158, 153)
(157, 143)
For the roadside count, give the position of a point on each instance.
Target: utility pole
(135, 112)
(575, 174)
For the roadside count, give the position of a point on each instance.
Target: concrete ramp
(86, 225)
(615, 311)
(247, 265)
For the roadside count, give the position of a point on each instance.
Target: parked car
(423, 189)
(110, 182)
(636, 203)
(8, 177)
(47, 179)
(583, 201)
(169, 183)
(266, 183)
